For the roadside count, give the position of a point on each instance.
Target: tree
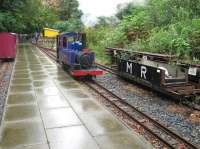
(124, 10)
(103, 21)
(72, 25)
(69, 9)
(24, 16)
(161, 26)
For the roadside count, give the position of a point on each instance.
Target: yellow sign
(50, 33)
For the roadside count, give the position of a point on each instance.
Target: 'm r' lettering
(129, 68)
(143, 72)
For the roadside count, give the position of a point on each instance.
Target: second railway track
(114, 72)
(169, 138)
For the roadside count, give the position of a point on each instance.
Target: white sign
(192, 71)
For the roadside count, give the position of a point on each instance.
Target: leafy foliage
(95, 41)
(103, 21)
(24, 16)
(124, 10)
(29, 16)
(68, 9)
(69, 16)
(165, 26)
(72, 25)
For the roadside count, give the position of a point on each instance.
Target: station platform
(47, 109)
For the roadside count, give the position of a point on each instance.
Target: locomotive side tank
(75, 57)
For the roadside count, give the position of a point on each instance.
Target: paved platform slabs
(24, 98)
(76, 137)
(19, 134)
(47, 109)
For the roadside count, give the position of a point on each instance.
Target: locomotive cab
(75, 57)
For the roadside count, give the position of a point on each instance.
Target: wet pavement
(47, 109)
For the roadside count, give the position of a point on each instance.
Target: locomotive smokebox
(85, 59)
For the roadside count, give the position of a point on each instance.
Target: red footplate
(93, 72)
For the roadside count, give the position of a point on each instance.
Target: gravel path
(4, 84)
(176, 117)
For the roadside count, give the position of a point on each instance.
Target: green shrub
(165, 26)
(95, 39)
(72, 25)
(182, 47)
(160, 42)
(116, 38)
(139, 45)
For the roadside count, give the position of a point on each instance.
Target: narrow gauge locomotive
(154, 72)
(75, 57)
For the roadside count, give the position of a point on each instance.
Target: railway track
(49, 52)
(5, 76)
(3, 67)
(108, 69)
(169, 138)
(114, 72)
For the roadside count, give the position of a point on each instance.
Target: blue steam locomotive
(75, 57)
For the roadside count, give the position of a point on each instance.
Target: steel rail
(47, 52)
(110, 70)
